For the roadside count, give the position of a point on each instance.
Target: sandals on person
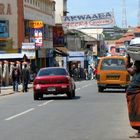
(137, 135)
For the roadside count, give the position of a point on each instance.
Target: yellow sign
(35, 24)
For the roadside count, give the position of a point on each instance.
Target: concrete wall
(58, 11)
(60, 8)
(43, 12)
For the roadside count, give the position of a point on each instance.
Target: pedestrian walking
(90, 73)
(25, 76)
(85, 74)
(80, 72)
(15, 77)
(95, 73)
(133, 97)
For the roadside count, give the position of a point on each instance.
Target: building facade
(60, 10)
(27, 21)
(59, 42)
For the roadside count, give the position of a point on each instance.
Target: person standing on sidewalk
(133, 96)
(15, 77)
(25, 76)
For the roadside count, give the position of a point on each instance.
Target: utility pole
(124, 18)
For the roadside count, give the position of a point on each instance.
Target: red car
(53, 80)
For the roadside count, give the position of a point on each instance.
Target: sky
(82, 7)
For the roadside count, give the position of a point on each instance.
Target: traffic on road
(90, 115)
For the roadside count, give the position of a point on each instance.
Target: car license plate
(112, 77)
(51, 89)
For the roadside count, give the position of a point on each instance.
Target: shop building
(59, 42)
(28, 21)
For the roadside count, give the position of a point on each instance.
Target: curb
(11, 92)
(6, 94)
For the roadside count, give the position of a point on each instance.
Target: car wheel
(36, 97)
(125, 89)
(41, 96)
(100, 89)
(73, 93)
(70, 95)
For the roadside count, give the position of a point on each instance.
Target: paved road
(90, 116)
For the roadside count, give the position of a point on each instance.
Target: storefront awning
(62, 50)
(11, 56)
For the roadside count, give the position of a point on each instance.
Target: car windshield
(52, 71)
(113, 64)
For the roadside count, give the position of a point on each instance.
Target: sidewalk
(9, 89)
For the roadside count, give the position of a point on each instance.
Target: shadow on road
(59, 98)
(113, 91)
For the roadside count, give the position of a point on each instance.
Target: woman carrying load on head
(133, 96)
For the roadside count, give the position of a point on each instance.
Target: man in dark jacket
(25, 78)
(15, 77)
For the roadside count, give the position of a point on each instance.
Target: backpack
(15, 72)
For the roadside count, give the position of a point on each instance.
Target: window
(113, 64)
(4, 28)
(52, 71)
(27, 29)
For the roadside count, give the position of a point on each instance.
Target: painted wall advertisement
(91, 20)
(36, 32)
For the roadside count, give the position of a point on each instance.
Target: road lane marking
(45, 103)
(86, 86)
(83, 87)
(20, 114)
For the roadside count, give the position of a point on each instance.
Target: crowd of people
(22, 76)
(15, 73)
(79, 73)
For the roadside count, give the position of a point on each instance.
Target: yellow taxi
(112, 73)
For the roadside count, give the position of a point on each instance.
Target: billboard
(91, 20)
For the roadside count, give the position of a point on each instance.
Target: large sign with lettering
(36, 32)
(5, 9)
(91, 20)
(36, 24)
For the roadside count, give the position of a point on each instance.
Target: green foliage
(115, 34)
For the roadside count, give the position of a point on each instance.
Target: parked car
(112, 73)
(53, 80)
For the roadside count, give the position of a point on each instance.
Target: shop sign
(76, 56)
(36, 24)
(91, 20)
(5, 9)
(36, 36)
(28, 49)
(36, 32)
